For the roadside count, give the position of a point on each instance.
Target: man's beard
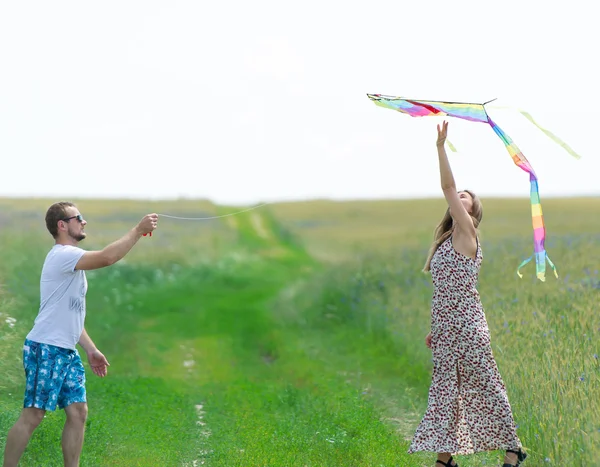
(77, 237)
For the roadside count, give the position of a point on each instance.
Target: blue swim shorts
(54, 376)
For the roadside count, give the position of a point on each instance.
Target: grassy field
(292, 335)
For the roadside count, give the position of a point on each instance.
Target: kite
(477, 113)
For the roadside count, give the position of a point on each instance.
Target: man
(54, 372)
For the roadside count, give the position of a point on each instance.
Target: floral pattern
(54, 377)
(468, 409)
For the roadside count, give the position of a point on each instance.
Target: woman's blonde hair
(446, 227)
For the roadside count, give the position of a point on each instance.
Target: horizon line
(280, 200)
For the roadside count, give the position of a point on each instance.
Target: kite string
(213, 217)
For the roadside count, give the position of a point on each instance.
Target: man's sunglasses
(79, 217)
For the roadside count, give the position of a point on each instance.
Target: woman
(468, 410)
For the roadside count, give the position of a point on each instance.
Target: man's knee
(77, 412)
(31, 417)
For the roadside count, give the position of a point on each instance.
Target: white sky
(243, 102)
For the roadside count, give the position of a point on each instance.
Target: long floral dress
(468, 409)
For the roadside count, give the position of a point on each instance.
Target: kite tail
(450, 145)
(551, 135)
(539, 230)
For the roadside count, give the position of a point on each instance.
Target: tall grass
(230, 345)
(545, 336)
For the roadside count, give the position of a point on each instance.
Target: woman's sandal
(447, 464)
(520, 457)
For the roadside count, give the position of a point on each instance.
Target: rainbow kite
(477, 113)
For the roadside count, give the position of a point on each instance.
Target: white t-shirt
(62, 299)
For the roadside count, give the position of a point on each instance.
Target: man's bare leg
(73, 432)
(20, 434)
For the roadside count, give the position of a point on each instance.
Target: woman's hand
(428, 340)
(442, 133)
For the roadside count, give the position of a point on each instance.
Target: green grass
(545, 335)
(294, 333)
